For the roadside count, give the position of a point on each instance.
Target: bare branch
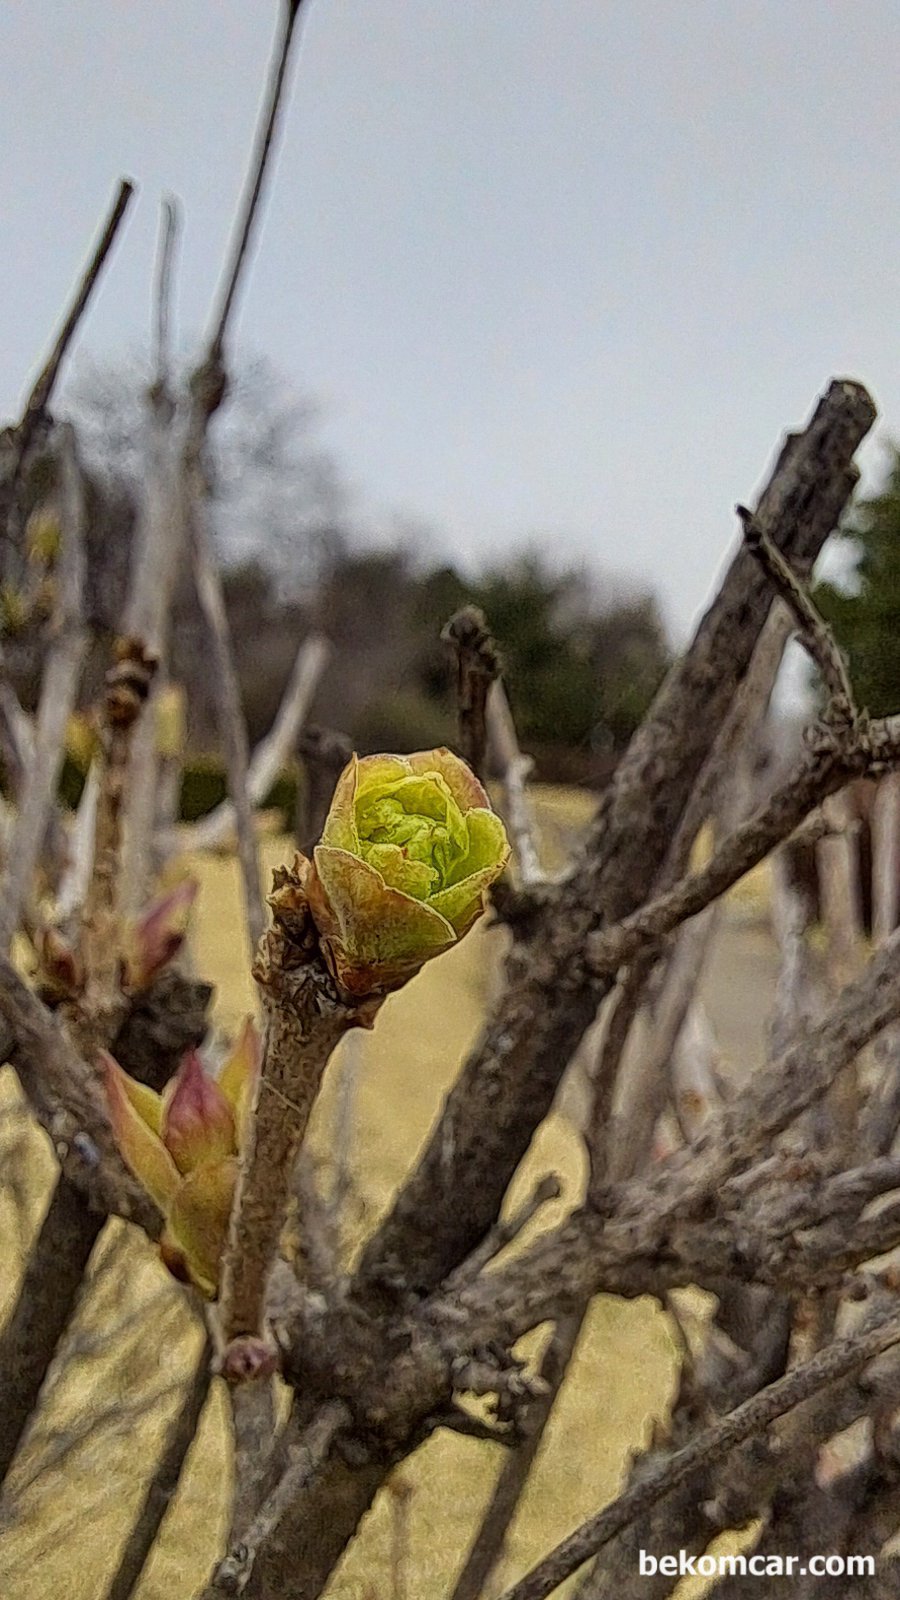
(324, 753)
(886, 857)
(159, 546)
(507, 1085)
(65, 1095)
(823, 770)
(477, 668)
(814, 631)
(103, 1003)
(74, 883)
(305, 1018)
(341, 1185)
(503, 1233)
(304, 1461)
(515, 768)
(39, 398)
(62, 672)
(47, 1295)
(254, 1439)
(290, 11)
(162, 355)
(166, 1020)
(232, 725)
(487, 1547)
(646, 1234)
(273, 752)
(711, 1445)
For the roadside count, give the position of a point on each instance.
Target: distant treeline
(580, 669)
(581, 661)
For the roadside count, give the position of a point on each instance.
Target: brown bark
(507, 1085)
(164, 1022)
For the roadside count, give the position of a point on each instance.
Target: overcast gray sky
(554, 268)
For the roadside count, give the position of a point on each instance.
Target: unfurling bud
(158, 935)
(184, 1146)
(409, 849)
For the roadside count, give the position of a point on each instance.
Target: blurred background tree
(583, 656)
(863, 606)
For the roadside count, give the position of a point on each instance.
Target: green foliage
(867, 623)
(580, 669)
(203, 787)
(407, 720)
(553, 685)
(283, 796)
(71, 782)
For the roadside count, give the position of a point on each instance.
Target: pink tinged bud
(239, 1076)
(135, 1113)
(159, 933)
(247, 1358)
(198, 1123)
(61, 966)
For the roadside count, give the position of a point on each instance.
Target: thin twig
(885, 832)
(162, 298)
(821, 772)
(103, 1004)
(159, 548)
(259, 163)
(488, 1545)
(814, 630)
(604, 1073)
(74, 882)
(515, 768)
(62, 674)
(712, 1445)
(272, 753)
(505, 1231)
(208, 386)
(304, 1460)
(43, 1306)
(343, 1128)
(232, 725)
(39, 398)
(477, 668)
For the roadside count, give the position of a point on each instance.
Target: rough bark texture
(169, 1018)
(506, 1087)
(298, 1558)
(305, 1018)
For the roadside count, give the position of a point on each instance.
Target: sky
(559, 273)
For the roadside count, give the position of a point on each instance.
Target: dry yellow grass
(621, 1382)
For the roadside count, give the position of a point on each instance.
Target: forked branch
(711, 1445)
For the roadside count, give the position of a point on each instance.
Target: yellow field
(74, 1516)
